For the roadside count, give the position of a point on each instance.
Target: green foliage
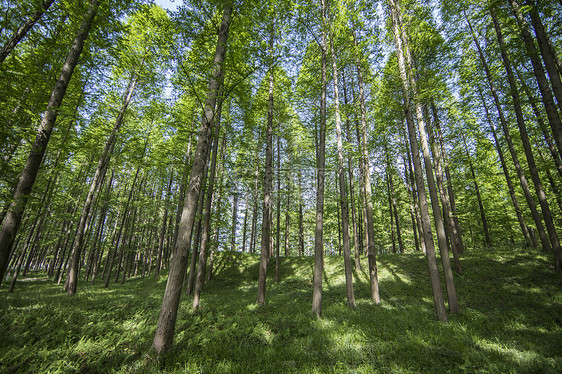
(509, 321)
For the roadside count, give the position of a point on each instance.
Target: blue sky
(169, 4)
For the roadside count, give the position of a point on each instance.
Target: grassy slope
(510, 321)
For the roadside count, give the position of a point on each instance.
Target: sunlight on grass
(509, 322)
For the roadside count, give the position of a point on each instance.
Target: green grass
(510, 321)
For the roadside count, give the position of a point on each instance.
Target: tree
(166, 321)
(12, 220)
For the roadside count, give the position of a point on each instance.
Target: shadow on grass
(509, 321)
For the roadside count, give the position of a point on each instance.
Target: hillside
(510, 321)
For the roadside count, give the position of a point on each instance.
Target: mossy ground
(510, 321)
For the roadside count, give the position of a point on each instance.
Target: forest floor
(510, 321)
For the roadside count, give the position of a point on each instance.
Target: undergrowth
(510, 321)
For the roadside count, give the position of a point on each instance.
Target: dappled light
(500, 329)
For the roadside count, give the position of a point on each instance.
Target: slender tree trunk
(547, 98)
(395, 209)
(178, 262)
(351, 189)
(485, 228)
(522, 178)
(510, 187)
(546, 134)
(163, 228)
(97, 181)
(183, 184)
(13, 216)
(23, 29)
(267, 204)
(195, 242)
(456, 228)
(410, 180)
(255, 204)
(369, 229)
(439, 158)
(205, 237)
(301, 224)
(545, 207)
(124, 223)
(244, 231)
(438, 300)
(287, 207)
(216, 231)
(320, 178)
(234, 219)
(278, 233)
(343, 188)
(548, 52)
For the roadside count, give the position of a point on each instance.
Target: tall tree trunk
(510, 187)
(436, 209)
(267, 204)
(546, 134)
(13, 216)
(216, 231)
(278, 233)
(125, 223)
(234, 218)
(255, 203)
(395, 210)
(167, 320)
(439, 158)
(287, 207)
(196, 238)
(344, 205)
(301, 223)
(244, 231)
(366, 174)
(163, 228)
(438, 300)
(547, 98)
(320, 179)
(205, 237)
(522, 178)
(23, 29)
(485, 228)
(97, 181)
(457, 231)
(411, 185)
(351, 189)
(548, 52)
(545, 207)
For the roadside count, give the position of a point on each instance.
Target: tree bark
(23, 29)
(438, 300)
(547, 98)
(485, 228)
(439, 158)
(344, 205)
(522, 178)
(267, 204)
(168, 312)
(545, 207)
(97, 181)
(13, 216)
(548, 52)
(278, 233)
(366, 174)
(202, 264)
(163, 228)
(510, 187)
(320, 178)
